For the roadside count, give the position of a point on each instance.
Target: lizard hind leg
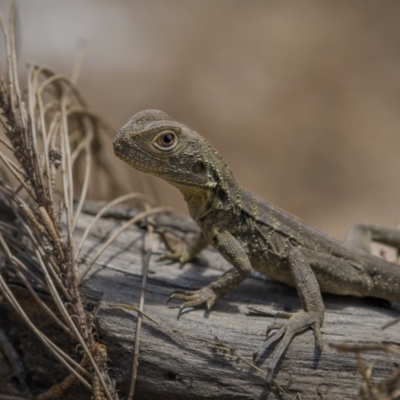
(312, 316)
(361, 235)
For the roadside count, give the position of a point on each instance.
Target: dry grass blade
(121, 229)
(88, 162)
(146, 264)
(76, 73)
(118, 200)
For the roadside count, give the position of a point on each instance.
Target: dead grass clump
(48, 131)
(386, 389)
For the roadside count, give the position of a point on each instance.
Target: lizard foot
(296, 323)
(193, 298)
(177, 256)
(177, 249)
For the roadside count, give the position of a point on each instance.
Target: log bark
(183, 359)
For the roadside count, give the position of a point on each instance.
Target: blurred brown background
(302, 98)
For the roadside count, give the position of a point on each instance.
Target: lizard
(251, 234)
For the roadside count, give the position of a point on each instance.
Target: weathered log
(184, 359)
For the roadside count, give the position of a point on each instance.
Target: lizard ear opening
(198, 167)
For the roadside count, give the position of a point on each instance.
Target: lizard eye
(166, 139)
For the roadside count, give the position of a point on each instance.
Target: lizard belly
(268, 252)
(273, 267)
(336, 276)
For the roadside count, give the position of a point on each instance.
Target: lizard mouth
(117, 147)
(136, 159)
(184, 184)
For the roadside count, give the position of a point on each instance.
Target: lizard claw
(193, 298)
(273, 327)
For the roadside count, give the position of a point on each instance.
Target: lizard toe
(165, 256)
(318, 336)
(174, 257)
(192, 298)
(272, 327)
(177, 296)
(269, 340)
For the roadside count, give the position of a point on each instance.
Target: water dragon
(251, 234)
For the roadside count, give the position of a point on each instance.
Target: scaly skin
(250, 233)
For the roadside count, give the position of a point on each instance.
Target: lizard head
(152, 142)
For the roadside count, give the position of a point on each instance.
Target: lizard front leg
(181, 251)
(233, 252)
(312, 316)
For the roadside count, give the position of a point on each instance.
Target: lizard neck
(202, 201)
(197, 201)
